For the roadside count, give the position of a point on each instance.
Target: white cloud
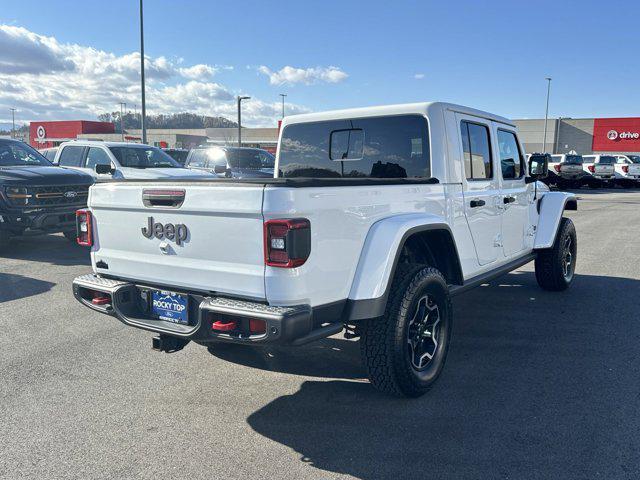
(198, 72)
(292, 75)
(47, 79)
(418, 76)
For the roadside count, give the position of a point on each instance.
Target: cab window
(71, 156)
(372, 147)
(476, 146)
(97, 156)
(511, 161)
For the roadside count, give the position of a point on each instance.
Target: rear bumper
(283, 325)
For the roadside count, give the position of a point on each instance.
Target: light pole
(144, 105)
(283, 95)
(122, 104)
(240, 119)
(546, 115)
(13, 122)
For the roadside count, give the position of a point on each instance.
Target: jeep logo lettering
(169, 231)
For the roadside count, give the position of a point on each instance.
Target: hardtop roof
(421, 108)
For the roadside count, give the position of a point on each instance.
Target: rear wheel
(556, 266)
(405, 350)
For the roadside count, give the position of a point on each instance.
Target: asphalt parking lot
(537, 384)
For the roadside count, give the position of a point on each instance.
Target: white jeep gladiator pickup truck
(374, 219)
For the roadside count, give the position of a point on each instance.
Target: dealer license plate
(170, 306)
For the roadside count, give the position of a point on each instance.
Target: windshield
(18, 154)
(178, 155)
(607, 160)
(634, 158)
(248, 158)
(143, 157)
(573, 159)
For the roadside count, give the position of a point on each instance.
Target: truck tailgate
(212, 240)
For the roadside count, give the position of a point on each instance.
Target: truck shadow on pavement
(13, 287)
(48, 249)
(531, 389)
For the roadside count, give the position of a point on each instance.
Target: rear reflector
(287, 242)
(257, 326)
(222, 326)
(84, 228)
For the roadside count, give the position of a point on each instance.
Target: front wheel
(556, 266)
(405, 350)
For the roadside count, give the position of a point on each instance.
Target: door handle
(476, 203)
(509, 200)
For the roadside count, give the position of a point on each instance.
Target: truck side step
(319, 334)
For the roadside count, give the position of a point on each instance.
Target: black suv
(35, 196)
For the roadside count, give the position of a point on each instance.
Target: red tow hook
(100, 299)
(222, 326)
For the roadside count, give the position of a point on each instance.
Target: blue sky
(489, 55)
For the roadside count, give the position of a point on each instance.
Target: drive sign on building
(616, 135)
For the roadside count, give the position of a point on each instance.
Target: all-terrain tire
(387, 352)
(552, 271)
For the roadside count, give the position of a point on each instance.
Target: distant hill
(5, 128)
(176, 120)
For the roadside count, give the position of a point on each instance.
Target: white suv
(120, 160)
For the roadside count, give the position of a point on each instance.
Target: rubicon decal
(177, 232)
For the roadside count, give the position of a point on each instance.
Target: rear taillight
(84, 229)
(557, 167)
(287, 242)
(592, 168)
(625, 168)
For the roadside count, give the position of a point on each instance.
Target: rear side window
(376, 147)
(477, 151)
(71, 157)
(511, 161)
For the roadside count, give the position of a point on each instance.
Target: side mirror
(538, 166)
(103, 169)
(220, 169)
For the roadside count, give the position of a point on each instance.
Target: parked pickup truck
(35, 196)
(628, 170)
(602, 167)
(375, 219)
(566, 171)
